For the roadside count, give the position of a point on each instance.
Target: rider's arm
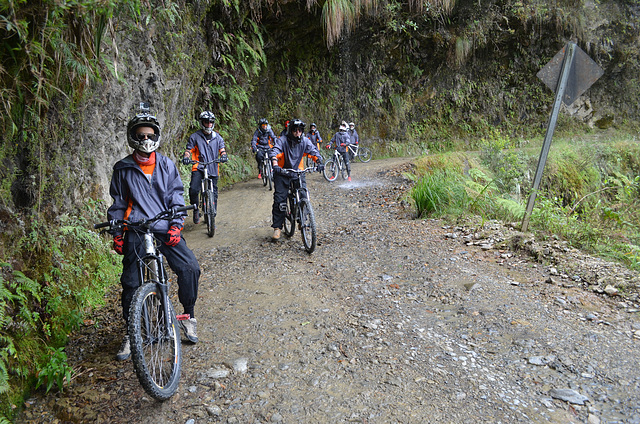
(174, 195)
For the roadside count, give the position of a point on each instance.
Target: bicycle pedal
(183, 317)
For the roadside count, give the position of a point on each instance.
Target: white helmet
(343, 126)
(146, 145)
(209, 117)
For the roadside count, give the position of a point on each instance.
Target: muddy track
(389, 320)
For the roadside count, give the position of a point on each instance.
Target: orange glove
(118, 244)
(174, 236)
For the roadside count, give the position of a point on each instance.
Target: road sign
(570, 73)
(582, 74)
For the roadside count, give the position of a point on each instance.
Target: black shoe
(196, 217)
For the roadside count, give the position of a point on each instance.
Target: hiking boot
(189, 328)
(259, 176)
(196, 217)
(349, 179)
(276, 234)
(125, 349)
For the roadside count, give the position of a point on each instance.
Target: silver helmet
(207, 116)
(146, 145)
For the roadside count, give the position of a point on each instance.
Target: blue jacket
(353, 135)
(340, 140)
(135, 197)
(314, 137)
(290, 154)
(204, 151)
(263, 139)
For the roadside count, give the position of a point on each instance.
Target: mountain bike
(207, 200)
(362, 153)
(156, 347)
(335, 166)
(266, 170)
(298, 210)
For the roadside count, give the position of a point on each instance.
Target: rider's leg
(280, 190)
(194, 187)
(184, 263)
(345, 156)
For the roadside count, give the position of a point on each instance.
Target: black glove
(200, 167)
(224, 158)
(320, 167)
(279, 171)
(186, 160)
(253, 149)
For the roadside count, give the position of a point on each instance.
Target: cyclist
(204, 145)
(341, 140)
(288, 152)
(262, 140)
(353, 136)
(314, 136)
(144, 184)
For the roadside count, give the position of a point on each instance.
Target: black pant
(196, 184)
(280, 192)
(345, 156)
(260, 156)
(180, 259)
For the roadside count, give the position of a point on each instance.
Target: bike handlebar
(300, 171)
(167, 214)
(193, 162)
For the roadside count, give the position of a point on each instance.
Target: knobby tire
(269, 171)
(307, 226)
(330, 170)
(364, 154)
(289, 226)
(209, 213)
(265, 176)
(155, 350)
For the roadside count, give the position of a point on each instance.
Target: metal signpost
(570, 73)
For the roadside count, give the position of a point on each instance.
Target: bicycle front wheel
(265, 176)
(330, 170)
(269, 171)
(155, 349)
(364, 154)
(289, 226)
(307, 226)
(209, 213)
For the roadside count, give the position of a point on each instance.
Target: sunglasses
(144, 136)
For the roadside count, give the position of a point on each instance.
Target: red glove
(118, 244)
(328, 146)
(174, 236)
(342, 144)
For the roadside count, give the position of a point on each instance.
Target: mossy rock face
(605, 122)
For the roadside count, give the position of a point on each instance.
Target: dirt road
(390, 320)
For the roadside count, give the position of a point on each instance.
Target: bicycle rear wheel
(343, 169)
(155, 349)
(330, 170)
(308, 226)
(209, 213)
(364, 154)
(289, 226)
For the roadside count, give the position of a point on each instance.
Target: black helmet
(209, 117)
(293, 125)
(143, 120)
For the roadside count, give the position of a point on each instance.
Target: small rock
(568, 395)
(610, 290)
